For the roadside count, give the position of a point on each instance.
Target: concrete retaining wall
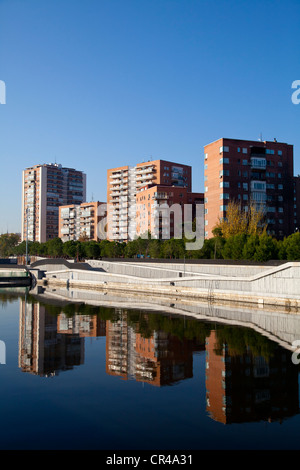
(163, 270)
(277, 285)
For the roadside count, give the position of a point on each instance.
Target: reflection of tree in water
(147, 323)
(240, 340)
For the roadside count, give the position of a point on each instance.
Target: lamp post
(26, 259)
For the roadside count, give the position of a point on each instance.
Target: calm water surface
(82, 377)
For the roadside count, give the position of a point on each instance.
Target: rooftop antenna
(92, 197)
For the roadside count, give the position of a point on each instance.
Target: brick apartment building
(248, 171)
(296, 203)
(80, 221)
(124, 185)
(44, 188)
(150, 213)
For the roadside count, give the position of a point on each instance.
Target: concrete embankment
(14, 276)
(222, 283)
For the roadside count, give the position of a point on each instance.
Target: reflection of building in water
(82, 325)
(245, 387)
(160, 359)
(44, 349)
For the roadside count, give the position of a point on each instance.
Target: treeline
(241, 246)
(240, 236)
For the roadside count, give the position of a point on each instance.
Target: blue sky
(96, 84)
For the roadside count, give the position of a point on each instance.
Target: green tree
(70, 249)
(155, 249)
(233, 247)
(35, 249)
(55, 247)
(266, 249)
(173, 248)
(249, 247)
(211, 249)
(292, 247)
(8, 242)
(131, 249)
(91, 249)
(20, 250)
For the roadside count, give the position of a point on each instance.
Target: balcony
(257, 185)
(258, 163)
(160, 196)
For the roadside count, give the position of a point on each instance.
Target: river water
(76, 375)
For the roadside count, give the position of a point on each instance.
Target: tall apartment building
(296, 203)
(80, 221)
(248, 171)
(123, 183)
(44, 188)
(164, 224)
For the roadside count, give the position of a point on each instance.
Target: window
(245, 186)
(245, 197)
(280, 186)
(224, 160)
(259, 197)
(279, 163)
(239, 149)
(224, 196)
(270, 152)
(205, 166)
(205, 156)
(258, 162)
(258, 185)
(244, 150)
(245, 162)
(224, 173)
(224, 184)
(280, 152)
(223, 208)
(280, 209)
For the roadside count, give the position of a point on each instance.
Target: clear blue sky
(95, 84)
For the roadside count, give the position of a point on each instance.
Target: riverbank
(222, 283)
